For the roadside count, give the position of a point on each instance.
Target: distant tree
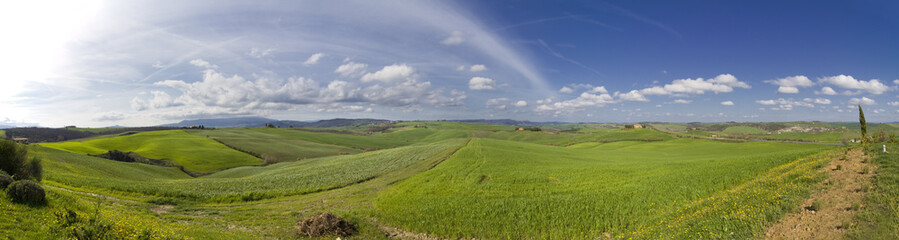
(864, 125)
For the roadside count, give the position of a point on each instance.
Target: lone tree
(861, 120)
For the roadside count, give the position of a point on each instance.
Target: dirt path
(827, 213)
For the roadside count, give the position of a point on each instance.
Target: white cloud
(789, 90)
(138, 104)
(583, 101)
(455, 38)
(862, 101)
(351, 69)
(460, 68)
(893, 103)
(600, 89)
(521, 103)
(219, 93)
(872, 86)
(682, 101)
(826, 91)
(727, 103)
(336, 107)
(109, 116)
(478, 68)
(767, 102)
(896, 81)
(390, 73)
(791, 84)
(256, 53)
(785, 104)
(203, 64)
(497, 103)
(313, 59)
(879, 111)
(162, 100)
(566, 90)
(481, 83)
(723, 83)
(633, 95)
(817, 100)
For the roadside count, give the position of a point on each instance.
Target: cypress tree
(861, 120)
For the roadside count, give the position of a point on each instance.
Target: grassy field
(565, 139)
(273, 147)
(193, 152)
(880, 214)
(513, 190)
(445, 179)
(743, 130)
(456, 125)
(237, 184)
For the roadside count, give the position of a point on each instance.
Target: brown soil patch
(827, 213)
(325, 224)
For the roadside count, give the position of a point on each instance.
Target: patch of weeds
(84, 226)
(817, 205)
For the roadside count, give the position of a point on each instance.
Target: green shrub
(14, 160)
(5, 180)
(12, 156)
(26, 191)
(71, 224)
(32, 169)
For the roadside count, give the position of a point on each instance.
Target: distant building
(20, 140)
(638, 126)
(520, 129)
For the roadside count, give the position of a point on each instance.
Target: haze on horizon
(135, 63)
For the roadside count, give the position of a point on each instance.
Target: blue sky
(102, 63)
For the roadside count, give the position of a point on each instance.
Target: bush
(12, 156)
(5, 180)
(26, 191)
(14, 160)
(32, 169)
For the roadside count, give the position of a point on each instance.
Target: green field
(273, 147)
(442, 179)
(236, 184)
(503, 189)
(193, 152)
(743, 130)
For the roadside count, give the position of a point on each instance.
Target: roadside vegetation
(880, 210)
